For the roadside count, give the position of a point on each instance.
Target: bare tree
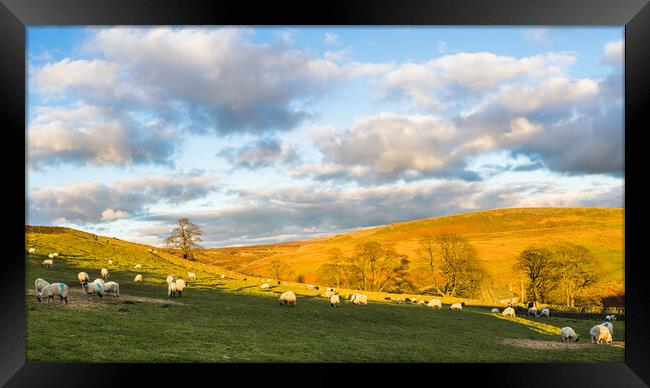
(575, 269)
(451, 265)
(279, 269)
(536, 263)
(186, 238)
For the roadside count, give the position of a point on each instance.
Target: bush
(300, 279)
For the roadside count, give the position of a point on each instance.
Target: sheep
(32, 250)
(96, 287)
(223, 276)
(171, 289)
(421, 302)
(508, 312)
(457, 306)
(600, 334)
(360, 299)
(495, 310)
(48, 263)
(352, 297)
(171, 278)
(414, 300)
(265, 286)
(110, 262)
(310, 286)
(335, 301)
(610, 317)
(138, 278)
(53, 289)
(83, 276)
(545, 312)
(532, 312)
(104, 273)
(191, 276)
(180, 286)
(39, 284)
(329, 292)
(288, 299)
(112, 288)
(53, 255)
(138, 266)
(567, 334)
(435, 303)
(609, 327)
(399, 300)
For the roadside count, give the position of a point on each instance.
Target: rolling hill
(498, 236)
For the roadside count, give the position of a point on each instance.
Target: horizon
(266, 135)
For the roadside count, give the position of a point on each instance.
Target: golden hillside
(498, 236)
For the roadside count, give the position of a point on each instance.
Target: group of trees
(447, 266)
(557, 273)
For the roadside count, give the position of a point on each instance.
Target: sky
(271, 134)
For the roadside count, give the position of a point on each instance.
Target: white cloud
(331, 38)
(110, 214)
(614, 53)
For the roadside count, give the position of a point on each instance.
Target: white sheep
(32, 250)
(39, 284)
(110, 262)
(329, 292)
(223, 276)
(457, 306)
(265, 286)
(421, 302)
(532, 312)
(53, 255)
(138, 278)
(545, 312)
(435, 303)
(335, 301)
(610, 317)
(48, 263)
(567, 334)
(104, 273)
(495, 310)
(180, 286)
(83, 276)
(171, 289)
(600, 334)
(360, 299)
(138, 266)
(171, 278)
(609, 327)
(288, 299)
(353, 296)
(311, 286)
(112, 288)
(191, 276)
(52, 290)
(96, 287)
(508, 312)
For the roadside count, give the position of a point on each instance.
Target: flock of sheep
(600, 334)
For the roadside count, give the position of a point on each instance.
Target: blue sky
(272, 134)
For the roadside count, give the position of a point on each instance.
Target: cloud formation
(265, 152)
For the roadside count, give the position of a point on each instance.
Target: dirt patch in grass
(76, 299)
(551, 345)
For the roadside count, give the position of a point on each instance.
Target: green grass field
(232, 320)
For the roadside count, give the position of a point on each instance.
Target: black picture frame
(16, 15)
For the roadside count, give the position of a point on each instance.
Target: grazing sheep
(329, 292)
(52, 290)
(180, 286)
(495, 310)
(53, 255)
(104, 273)
(360, 299)
(457, 306)
(352, 297)
(39, 284)
(83, 276)
(171, 289)
(310, 286)
(600, 334)
(532, 312)
(48, 263)
(421, 302)
(435, 303)
(545, 312)
(609, 327)
(567, 334)
(265, 286)
(138, 266)
(112, 288)
(96, 287)
(288, 299)
(110, 262)
(138, 278)
(191, 276)
(508, 312)
(32, 250)
(610, 317)
(335, 301)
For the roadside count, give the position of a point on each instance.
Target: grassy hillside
(498, 236)
(232, 320)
